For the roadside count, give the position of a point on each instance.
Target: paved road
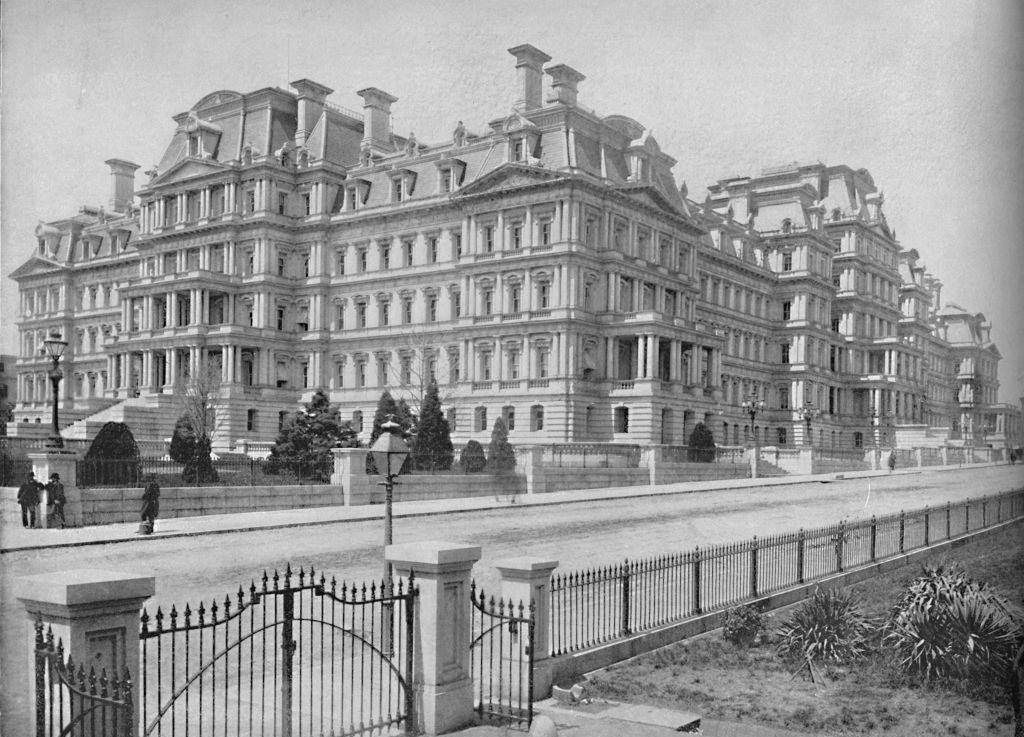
(578, 535)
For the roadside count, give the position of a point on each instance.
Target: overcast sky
(926, 95)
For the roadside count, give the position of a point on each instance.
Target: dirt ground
(721, 681)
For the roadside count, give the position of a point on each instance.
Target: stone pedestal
(350, 474)
(524, 580)
(528, 462)
(441, 664)
(95, 613)
(63, 462)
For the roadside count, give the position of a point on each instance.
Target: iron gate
(74, 702)
(297, 656)
(501, 658)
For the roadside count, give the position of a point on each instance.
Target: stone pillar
(524, 580)
(64, 463)
(350, 474)
(94, 613)
(441, 661)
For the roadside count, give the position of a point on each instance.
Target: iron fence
(14, 470)
(299, 655)
(501, 658)
(591, 455)
(597, 605)
(72, 701)
(840, 454)
(122, 473)
(688, 454)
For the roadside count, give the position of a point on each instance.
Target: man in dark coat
(28, 498)
(56, 497)
(150, 505)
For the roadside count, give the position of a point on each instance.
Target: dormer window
(518, 150)
(397, 190)
(787, 226)
(356, 193)
(403, 182)
(450, 173)
(194, 145)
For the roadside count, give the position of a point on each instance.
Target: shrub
(303, 447)
(947, 626)
(702, 444)
(473, 459)
(433, 450)
(742, 625)
(501, 456)
(193, 452)
(112, 458)
(828, 627)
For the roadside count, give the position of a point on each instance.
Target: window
(431, 369)
(545, 232)
(508, 414)
(339, 374)
(280, 317)
(784, 358)
(361, 260)
(282, 203)
(858, 440)
(397, 190)
(405, 373)
(250, 201)
(339, 262)
(307, 204)
(543, 295)
(357, 420)
(480, 419)
(432, 308)
(516, 236)
(456, 304)
(407, 252)
(360, 374)
(339, 318)
(383, 371)
(536, 418)
(787, 310)
(622, 419)
(385, 256)
(282, 262)
(485, 366)
(781, 435)
(513, 364)
(351, 199)
(787, 262)
(432, 249)
(451, 415)
(360, 314)
(282, 419)
(518, 150)
(406, 310)
(488, 239)
(384, 316)
(515, 298)
(783, 398)
(487, 301)
(542, 363)
(457, 244)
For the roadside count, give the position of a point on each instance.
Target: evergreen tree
(304, 443)
(113, 457)
(702, 444)
(472, 458)
(433, 449)
(386, 407)
(193, 452)
(501, 456)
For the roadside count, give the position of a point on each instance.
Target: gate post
(529, 579)
(441, 679)
(63, 462)
(95, 613)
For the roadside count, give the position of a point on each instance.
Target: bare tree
(411, 374)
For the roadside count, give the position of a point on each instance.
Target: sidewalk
(15, 538)
(609, 719)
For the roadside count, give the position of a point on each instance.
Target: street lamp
(389, 452)
(753, 405)
(54, 348)
(807, 413)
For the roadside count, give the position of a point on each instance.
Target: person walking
(28, 498)
(150, 505)
(892, 460)
(56, 497)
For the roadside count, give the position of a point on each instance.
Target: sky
(928, 96)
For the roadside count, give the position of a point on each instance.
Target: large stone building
(545, 269)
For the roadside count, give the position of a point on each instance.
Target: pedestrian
(57, 499)
(150, 505)
(1013, 457)
(892, 460)
(28, 498)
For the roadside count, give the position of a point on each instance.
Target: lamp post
(753, 405)
(389, 452)
(807, 413)
(54, 348)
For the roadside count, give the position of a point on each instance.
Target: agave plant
(828, 627)
(947, 626)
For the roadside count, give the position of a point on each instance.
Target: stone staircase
(766, 469)
(151, 419)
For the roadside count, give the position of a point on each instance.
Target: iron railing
(591, 455)
(501, 658)
(298, 655)
(14, 470)
(123, 473)
(688, 454)
(72, 701)
(841, 454)
(597, 605)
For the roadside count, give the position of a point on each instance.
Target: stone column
(94, 613)
(441, 661)
(524, 580)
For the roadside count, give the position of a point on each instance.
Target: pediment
(36, 266)
(188, 169)
(648, 195)
(506, 177)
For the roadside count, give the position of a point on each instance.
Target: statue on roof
(412, 148)
(459, 135)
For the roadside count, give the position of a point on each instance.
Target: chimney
(377, 119)
(310, 105)
(564, 83)
(122, 188)
(529, 76)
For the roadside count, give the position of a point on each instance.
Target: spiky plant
(828, 627)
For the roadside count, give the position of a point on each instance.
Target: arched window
(508, 414)
(787, 226)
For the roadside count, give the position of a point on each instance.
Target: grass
(725, 682)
